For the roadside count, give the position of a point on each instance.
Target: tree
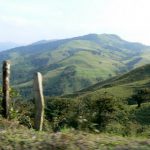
(141, 95)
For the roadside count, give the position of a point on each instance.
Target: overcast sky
(26, 21)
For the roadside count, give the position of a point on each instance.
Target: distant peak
(92, 34)
(110, 35)
(96, 36)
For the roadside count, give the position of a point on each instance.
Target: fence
(38, 96)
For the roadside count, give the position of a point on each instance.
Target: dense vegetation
(72, 64)
(92, 112)
(91, 121)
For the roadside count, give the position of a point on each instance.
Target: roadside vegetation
(89, 121)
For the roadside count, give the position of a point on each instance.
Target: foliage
(23, 111)
(91, 112)
(140, 96)
(19, 110)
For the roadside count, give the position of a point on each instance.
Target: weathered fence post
(6, 89)
(39, 101)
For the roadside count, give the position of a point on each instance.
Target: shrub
(91, 112)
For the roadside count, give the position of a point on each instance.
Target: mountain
(7, 45)
(69, 65)
(122, 86)
(42, 42)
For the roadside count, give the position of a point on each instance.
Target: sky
(27, 21)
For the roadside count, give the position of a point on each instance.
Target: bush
(19, 109)
(91, 112)
(60, 112)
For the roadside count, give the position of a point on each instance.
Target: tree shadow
(142, 115)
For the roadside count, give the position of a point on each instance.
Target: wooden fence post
(6, 89)
(39, 101)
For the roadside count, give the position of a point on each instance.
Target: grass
(142, 115)
(122, 86)
(63, 141)
(15, 136)
(124, 92)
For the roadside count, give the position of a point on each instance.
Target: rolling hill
(69, 65)
(122, 86)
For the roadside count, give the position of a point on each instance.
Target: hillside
(125, 85)
(70, 65)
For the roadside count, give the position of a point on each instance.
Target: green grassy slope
(123, 86)
(72, 64)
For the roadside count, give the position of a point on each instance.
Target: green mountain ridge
(69, 65)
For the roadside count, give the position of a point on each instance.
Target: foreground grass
(14, 136)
